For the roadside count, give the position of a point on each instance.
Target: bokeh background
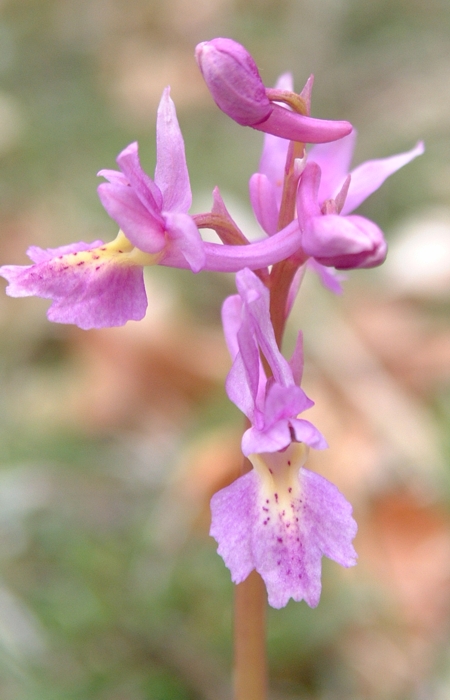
(112, 441)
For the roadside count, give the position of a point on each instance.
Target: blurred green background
(112, 442)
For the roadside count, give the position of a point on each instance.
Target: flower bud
(233, 80)
(236, 86)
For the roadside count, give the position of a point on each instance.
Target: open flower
(272, 404)
(328, 195)
(235, 84)
(101, 284)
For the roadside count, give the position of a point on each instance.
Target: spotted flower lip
(235, 84)
(153, 213)
(271, 404)
(92, 285)
(280, 519)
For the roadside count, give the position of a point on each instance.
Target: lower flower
(280, 519)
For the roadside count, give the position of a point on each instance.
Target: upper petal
(183, 234)
(123, 205)
(264, 202)
(171, 173)
(141, 183)
(334, 161)
(369, 176)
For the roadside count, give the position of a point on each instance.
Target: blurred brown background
(111, 442)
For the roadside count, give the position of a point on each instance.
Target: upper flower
(272, 404)
(153, 213)
(236, 86)
(328, 194)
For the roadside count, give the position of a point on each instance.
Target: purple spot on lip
(290, 489)
(276, 497)
(289, 462)
(279, 539)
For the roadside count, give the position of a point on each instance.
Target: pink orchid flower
(279, 518)
(327, 196)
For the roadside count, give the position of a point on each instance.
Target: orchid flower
(153, 213)
(327, 196)
(279, 518)
(235, 84)
(95, 285)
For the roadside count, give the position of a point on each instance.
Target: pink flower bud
(236, 86)
(233, 80)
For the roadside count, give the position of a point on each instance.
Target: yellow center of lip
(119, 251)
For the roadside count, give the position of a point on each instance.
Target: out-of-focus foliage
(112, 442)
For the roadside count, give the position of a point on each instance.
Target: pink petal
(171, 174)
(369, 176)
(272, 439)
(143, 186)
(256, 298)
(334, 161)
(264, 202)
(344, 242)
(295, 127)
(140, 227)
(231, 322)
(183, 234)
(330, 278)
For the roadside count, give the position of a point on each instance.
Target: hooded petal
(171, 174)
(344, 242)
(124, 206)
(369, 176)
(183, 234)
(143, 186)
(256, 298)
(276, 437)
